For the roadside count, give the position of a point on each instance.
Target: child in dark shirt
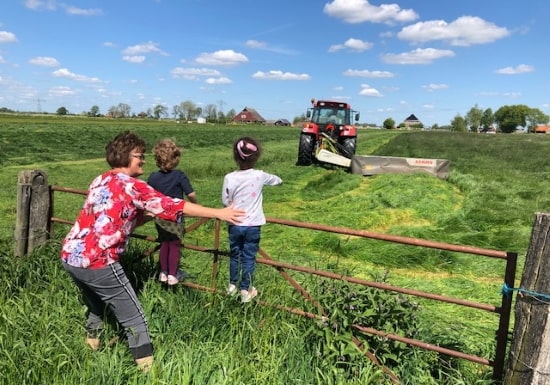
(174, 183)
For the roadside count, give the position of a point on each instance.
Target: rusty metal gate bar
(504, 310)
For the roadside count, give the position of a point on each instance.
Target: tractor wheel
(305, 150)
(348, 147)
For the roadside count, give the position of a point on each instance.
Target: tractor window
(329, 115)
(335, 116)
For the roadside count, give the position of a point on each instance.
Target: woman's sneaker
(247, 295)
(163, 277)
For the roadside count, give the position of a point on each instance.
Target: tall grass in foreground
(199, 338)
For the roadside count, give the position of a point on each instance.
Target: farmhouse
(542, 129)
(411, 122)
(248, 115)
(278, 122)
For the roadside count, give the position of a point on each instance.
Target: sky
(388, 59)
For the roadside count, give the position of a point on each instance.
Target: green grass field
(488, 201)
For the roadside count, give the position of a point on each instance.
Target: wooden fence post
(529, 361)
(33, 211)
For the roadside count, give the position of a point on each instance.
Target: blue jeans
(244, 243)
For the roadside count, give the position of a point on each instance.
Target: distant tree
(299, 119)
(231, 114)
(487, 119)
(188, 109)
(221, 117)
(459, 124)
(389, 124)
(176, 112)
(198, 112)
(473, 118)
(124, 110)
(62, 111)
(210, 113)
(435, 126)
(536, 117)
(509, 118)
(94, 111)
(160, 111)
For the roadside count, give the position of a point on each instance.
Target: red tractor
(330, 128)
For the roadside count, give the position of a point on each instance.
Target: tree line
(184, 111)
(506, 119)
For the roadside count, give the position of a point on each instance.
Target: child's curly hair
(246, 152)
(167, 154)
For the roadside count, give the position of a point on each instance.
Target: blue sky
(435, 59)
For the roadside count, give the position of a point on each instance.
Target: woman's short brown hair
(167, 154)
(118, 150)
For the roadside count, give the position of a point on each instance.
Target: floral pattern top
(115, 205)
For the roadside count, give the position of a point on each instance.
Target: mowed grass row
(488, 201)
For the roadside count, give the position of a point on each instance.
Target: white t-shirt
(243, 189)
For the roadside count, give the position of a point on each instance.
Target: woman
(116, 203)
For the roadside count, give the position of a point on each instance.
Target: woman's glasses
(139, 156)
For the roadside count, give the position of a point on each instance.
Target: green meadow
(496, 185)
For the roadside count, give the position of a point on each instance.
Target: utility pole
(39, 106)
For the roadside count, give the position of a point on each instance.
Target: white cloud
(226, 57)
(351, 44)
(221, 80)
(359, 11)
(280, 75)
(434, 87)
(51, 5)
(417, 56)
(367, 90)
(65, 73)
(2, 61)
(255, 44)
(40, 4)
(61, 91)
(520, 69)
(464, 31)
(7, 37)
(44, 61)
(144, 48)
(83, 12)
(134, 59)
(194, 73)
(368, 74)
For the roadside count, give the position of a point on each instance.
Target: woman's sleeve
(148, 199)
